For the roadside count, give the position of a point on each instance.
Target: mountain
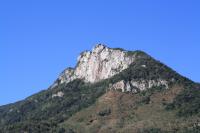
(110, 90)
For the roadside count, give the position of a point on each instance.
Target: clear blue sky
(39, 38)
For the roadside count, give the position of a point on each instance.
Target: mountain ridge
(100, 73)
(91, 61)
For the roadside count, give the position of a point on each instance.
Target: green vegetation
(187, 102)
(146, 95)
(45, 112)
(153, 70)
(105, 112)
(42, 112)
(151, 130)
(121, 49)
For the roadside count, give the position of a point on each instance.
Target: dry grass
(127, 115)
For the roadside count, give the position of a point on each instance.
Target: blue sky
(39, 38)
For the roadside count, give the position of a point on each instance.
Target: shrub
(187, 102)
(105, 112)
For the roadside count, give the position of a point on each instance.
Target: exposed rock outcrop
(139, 85)
(100, 63)
(58, 94)
(67, 75)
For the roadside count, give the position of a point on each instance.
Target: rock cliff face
(100, 63)
(135, 86)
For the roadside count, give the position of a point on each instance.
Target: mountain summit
(110, 90)
(104, 62)
(100, 63)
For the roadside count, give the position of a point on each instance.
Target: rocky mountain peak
(100, 63)
(103, 62)
(99, 47)
(151, 88)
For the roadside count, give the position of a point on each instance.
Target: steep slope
(110, 90)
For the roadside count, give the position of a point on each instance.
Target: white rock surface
(135, 86)
(146, 84)
(121, 85)
(58, 94)
(100, 63)
(67, 75)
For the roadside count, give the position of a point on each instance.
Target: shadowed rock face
(100, 63)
